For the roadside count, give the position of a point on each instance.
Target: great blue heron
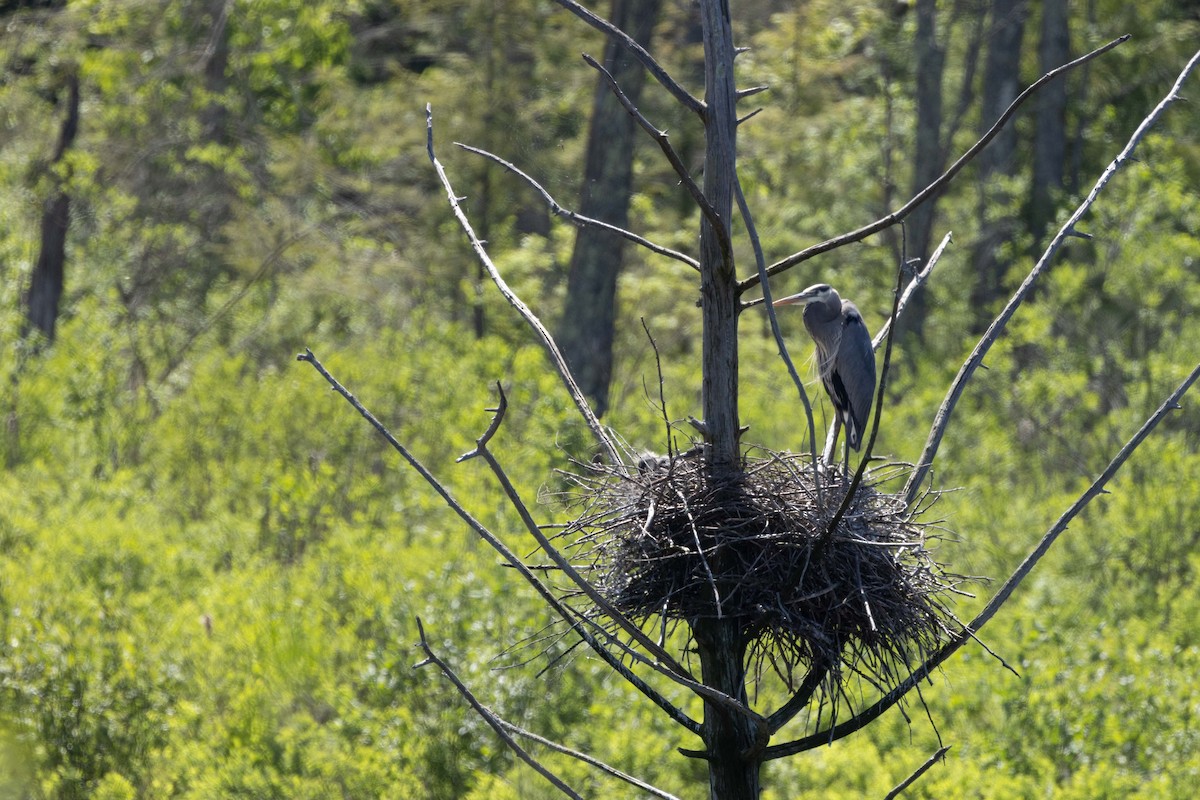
(845, 358)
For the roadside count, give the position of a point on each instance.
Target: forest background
(210, 567)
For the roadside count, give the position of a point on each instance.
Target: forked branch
(664, 143)
(511, 558)
(580, 219)
(556, 356)
(653, 67)
(490, 717)
(590, 760)
(942, 418)
(933, 189)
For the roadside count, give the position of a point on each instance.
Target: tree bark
(718, 283)
(585, 332)
(1001, 85)
(1050, 133)
(721, 645)
(733, 774)
(46, 284)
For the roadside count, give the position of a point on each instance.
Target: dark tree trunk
(1050, 133)
(718, 281)
(928, 157)
(586, 330)
(1001, 85)
(729, 739)
(46, 283)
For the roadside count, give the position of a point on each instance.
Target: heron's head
(817, 293)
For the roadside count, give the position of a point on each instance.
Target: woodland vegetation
(210, 567)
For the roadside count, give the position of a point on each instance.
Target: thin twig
(921, 770)
(556, 356)
(664, 143)
(509, 556)
(490, 717)
(580, 219)
(933, 189)
(585, 758)
(916, 283)
(662, 398)
(868, 715)
(653, 67)
(760, 261)
(942, 418)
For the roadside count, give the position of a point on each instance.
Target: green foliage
(210, 566)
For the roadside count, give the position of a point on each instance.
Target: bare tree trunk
(585, 332)
(720, 643)
(927, 159)
(46, 284)
(1050, 133)
(1000, 87)
(718, 281)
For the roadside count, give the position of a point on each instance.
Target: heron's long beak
(798, 299)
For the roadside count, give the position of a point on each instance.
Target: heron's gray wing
(855, 372)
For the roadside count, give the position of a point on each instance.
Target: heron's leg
(846, 461)
(831, 439)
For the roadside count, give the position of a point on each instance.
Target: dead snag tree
(759, 560)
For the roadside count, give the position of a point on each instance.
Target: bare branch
(585, 758)
(868, 715)
(664, 144)
(551, 346)
(647, 60)
(579, 219)
(798, 701)
(748, 220)
(942, 418)
(916, 283)
(509, 556)
(921, 770)
(489, 716)
(933, 189)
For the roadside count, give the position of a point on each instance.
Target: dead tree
(758, 560)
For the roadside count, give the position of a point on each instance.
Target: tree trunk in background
(215, 117)
(46, 283)
(1001, 84)
(927, 159)
(586, 330)
(1050, 133)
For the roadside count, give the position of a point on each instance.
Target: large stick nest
(671, 542)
